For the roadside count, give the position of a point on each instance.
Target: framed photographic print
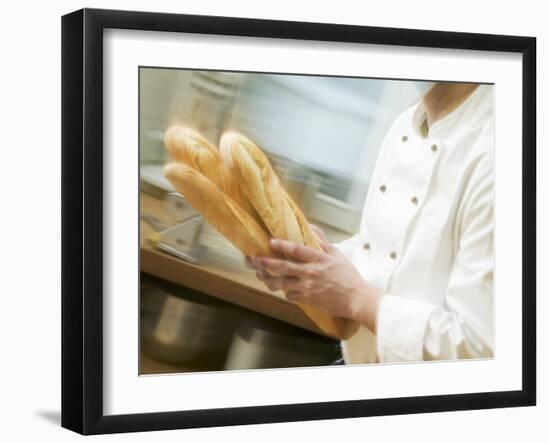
(268, 221)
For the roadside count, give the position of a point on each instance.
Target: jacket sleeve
(410, 330)
(349, 246)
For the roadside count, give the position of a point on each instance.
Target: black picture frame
(82, 219)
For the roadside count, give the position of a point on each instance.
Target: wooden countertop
(237, 286)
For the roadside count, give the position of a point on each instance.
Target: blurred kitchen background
(201, 309)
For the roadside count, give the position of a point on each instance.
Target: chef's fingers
(278, 283)
(318, 232)
(323, 241)
(294, 296)
(261, 274)
(296, 251)
(280, 268)
(291, 284)
(271, 282)
(249, 263)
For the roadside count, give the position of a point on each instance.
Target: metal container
(185, 329)
(193, 332)
(265, 343)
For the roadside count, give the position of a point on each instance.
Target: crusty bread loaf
(259, 183)
(189, 147)
(309, 237)
(280, 214)
(219, 210)
(337, 327)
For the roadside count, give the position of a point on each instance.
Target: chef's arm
(463, 327)
(325, 279)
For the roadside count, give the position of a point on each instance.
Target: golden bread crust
(219, 210)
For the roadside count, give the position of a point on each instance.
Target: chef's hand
(326, 279)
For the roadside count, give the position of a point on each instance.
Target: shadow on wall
(54, 417)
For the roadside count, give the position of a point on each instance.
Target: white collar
(475, 106)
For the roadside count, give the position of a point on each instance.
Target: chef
(418, 277)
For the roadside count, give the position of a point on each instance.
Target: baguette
(259, 183)
(278, 211)
(220, 210)
(189, 147)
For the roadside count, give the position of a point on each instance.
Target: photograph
(254, 222)
(290, 220)
(270, 221)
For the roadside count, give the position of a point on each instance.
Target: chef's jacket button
(434, 148)
(366, 246)
(382, 188)
(404, 138)
(414, 201)
(393, 255)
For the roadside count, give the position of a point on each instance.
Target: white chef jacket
(426, 238)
